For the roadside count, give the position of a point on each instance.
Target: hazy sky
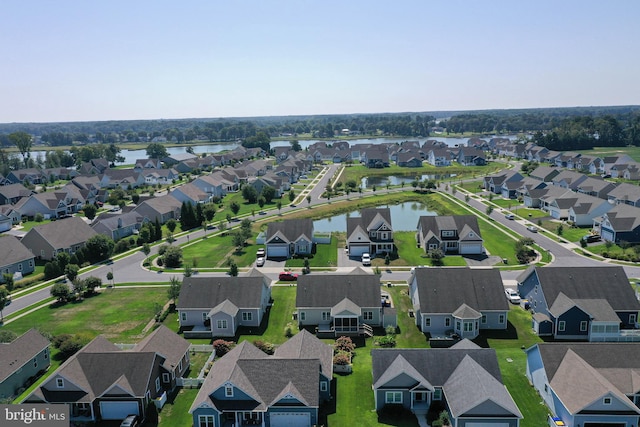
(101, 60)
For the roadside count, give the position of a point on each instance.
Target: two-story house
(371, 232)
(458, 234)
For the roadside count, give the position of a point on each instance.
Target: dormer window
(606, 401)
(60, 382)
(228, 391)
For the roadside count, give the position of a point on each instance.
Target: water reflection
(404, 217)
(382, 181)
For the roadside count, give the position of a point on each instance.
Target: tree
(200, 214)
(233, 268)
(235, 207)
(249, 193)
(308, 200)
(174, 289)
(171, 225)
(98, 248)
(292, 195)
(90, 211)
(8, 281)
(51, 270)
(110, 277)
(489, 209)
(157, 230)
(91, 283)
(6, 336)
(4, 300)
(559, 230)
(156, 151)
(238, 240)
(279, 206)
(71, 271)
(79, 287)
(61, 292)
(261, 201)
(295, 145)
(146, 249)
(23, 142)
(172, 257)
(209, 211)
(436, 256)
(222, 227)
(269, 193)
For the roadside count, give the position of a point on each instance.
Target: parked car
(130, 421)
(532, 228)
(512, 296)
(510, 216)
(366, 259)
(590, 238)
(261, 253)
(260, 262)
(287, 275)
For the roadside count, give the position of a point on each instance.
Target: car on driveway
(512, 296)
(366, 259)
(260, 262)
(130, 421)
(288, 276)
(532, 228)
(590, 238)
(260, 253)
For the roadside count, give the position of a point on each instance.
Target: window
(501, 318)
(393, 397)
(468, 326)
(448, 233)
(247, 316)
(183, 316)
(606, 401)
(20, 266)
(42, 253)
(205, 421)
(31, 263)
(46, 353)
(437, 394)
(204, 316)
(222, 324)
(60, 382)
(632, 318)
(35, 363)
(326, 316)
(561, 326)
(447, 322)
(165, 377)
(228, 391)
(433, 246)
(546, 388)
(157, 383)
(427, 321)
(484, 318)
(303, 316)
(367, 315)
(323, 386)
(583, 326)
(457, 325)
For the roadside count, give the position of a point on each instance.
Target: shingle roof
(624, 217)
(444, 290)
(305, 345)
(208, 292)
(64, 233)
(20, 351)
(13, 251)
(328, 290)
(291, 229)
(14, 190)
(165, 342)
(436, 224)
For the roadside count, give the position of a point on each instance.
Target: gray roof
(292, 229)
(626, 191)
(13, 251)
(64, 233)
(436, 224)
(604, 283)
(208, 292)
(624, 217)
(324, 290)
(113, 222)
(444, 290)
(305, 345)
(14, 190)
(167, 343)
(17, 353)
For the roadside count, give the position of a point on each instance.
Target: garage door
(607, 235)
(118, 410)
(277, 251)
(290, 419)
(604, 424)
(487, 424)
(470, 248)
(357, 251)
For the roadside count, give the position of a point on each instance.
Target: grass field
(326, 256)
(572, 234)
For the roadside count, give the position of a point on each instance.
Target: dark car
(287, 275)
(590, 238)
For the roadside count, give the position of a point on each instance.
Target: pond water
(404, 217)
(381, 181)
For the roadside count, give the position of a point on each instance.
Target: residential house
(159, 176)
(458, 234)
(288, 238)
(558, 205)
(21, 361)
(51, 204)
(162, 208)
(611, 161)
(101, 382)
(620, 224)
(494, 183)
(4, 180)
(147, 164)
(212, 184)
(371, 232)
(586, 209)
(12, 213)
(568, 179)
(439, 157)
(458, 300)
(375, 157)
(341, 304)
(217, 306)
(625, 193)
(587, 384)
(468, 156)
(282, 153)
(464, 381)
(248, 387)
(5, 223)
(123, 178)
(590, 164)
(568, 160)
(581, 303)
(632, 172)
(409, 159)
(66, 235)
(15, 258)
(12, 193)
(22, 176)
(55, 174)
(176, 158)
(120, 225)
(544, 173)
(595, 187)
(190, 193)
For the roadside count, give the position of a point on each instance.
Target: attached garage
(290, 419)
(118, 410)
(607, 235)
(278, 251)
(356, 251)
(470, 248)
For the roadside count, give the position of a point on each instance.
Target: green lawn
(28, 225)
(280, 315)
(210, 252)
(326, 256)
(119, 314)
(506, 203)
(528, 213)
(472, 186)
(409, 336)
(572, 234)
(410, 254)
(175, 412)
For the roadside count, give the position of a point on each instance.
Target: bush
(172, 257)
(388, 341)
(288, 330)
(162, 249)
(344, 344)
(266, 347)
(342, 358)
(39, 217)
(222, 347)
(121, 246)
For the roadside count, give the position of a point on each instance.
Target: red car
(287, 275)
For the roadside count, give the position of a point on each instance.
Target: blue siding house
(587, 384)
(581, 303)
(21, 361)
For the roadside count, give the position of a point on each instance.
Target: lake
(404, 217)
(381, 181)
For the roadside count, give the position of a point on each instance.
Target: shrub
(388, 341)
(342, 358)
(344, 344)
(162, 249)
(222, 347)
(173, 257)
(288, 330)
(390, 330)
(39, 217)
(121, 246)
(265, 346)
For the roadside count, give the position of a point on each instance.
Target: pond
(381, 181)
(404, 217)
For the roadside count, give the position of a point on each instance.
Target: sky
(128, 60)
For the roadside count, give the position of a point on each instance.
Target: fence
(201, 348)
(323, 238)
(189, 382)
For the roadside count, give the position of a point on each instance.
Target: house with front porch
(371, 232)
(581, 303)
(51, 204)
(458, 300)
(247, 387)
(341, 304)
(587, 384)
(217, 306)
(291, 237)
(457, 234)
(464, 381)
